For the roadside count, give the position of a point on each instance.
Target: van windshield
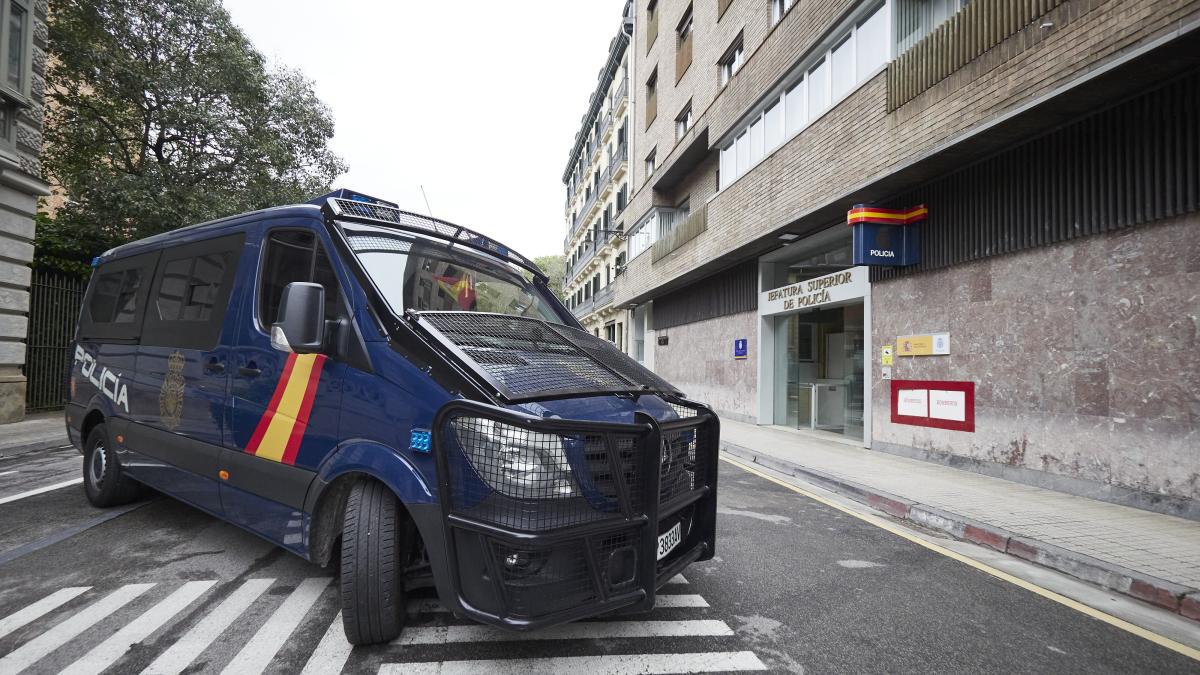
(421, 275)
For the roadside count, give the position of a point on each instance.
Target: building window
(683, 44)
(650, 163)
(917, 18)
(818, 82)
(731, 62)
(652, 98)
(779, 8)
(651, 24)
(683, 122)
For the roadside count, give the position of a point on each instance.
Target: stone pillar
(20, 187)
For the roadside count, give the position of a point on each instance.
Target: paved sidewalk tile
(1163, 546)
(44, 430)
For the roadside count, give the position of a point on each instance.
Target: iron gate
(54, 301)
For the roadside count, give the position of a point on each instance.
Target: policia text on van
(354, 382)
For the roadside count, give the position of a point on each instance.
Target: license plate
(667, 541)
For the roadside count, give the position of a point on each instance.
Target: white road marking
(592, 630)
(433, 606)
(187, 648)
(106, 653)
(331, 653)
(256, 655)
(677, 579)
(7, 473)
(607, 664)
(40, 608)
(31, 652)
(38, 491)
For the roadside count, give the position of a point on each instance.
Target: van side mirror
(300, 326)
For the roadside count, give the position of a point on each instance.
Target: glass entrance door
(819, 366)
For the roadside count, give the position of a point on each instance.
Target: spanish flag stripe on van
(282, 426)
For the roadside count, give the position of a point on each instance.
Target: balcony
(587, 253)
(620, 97)
(603, 298)
(975, 29)
(605, 127)
(680, 233)
(584, 308)
(618, 162)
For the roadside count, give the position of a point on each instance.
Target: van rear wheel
(104, 482)
(372, 588)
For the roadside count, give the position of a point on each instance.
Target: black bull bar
(528, 560)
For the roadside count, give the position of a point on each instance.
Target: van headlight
(516, 462)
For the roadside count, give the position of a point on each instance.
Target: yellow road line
(1005, 576)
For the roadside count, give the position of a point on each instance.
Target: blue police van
(396, 397)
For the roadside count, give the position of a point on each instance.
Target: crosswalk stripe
(41, 490)
(71, 627)
(185, 650)
(608, 630)
(256, 655)
(669, 601)
(40, 608)
(106, 653)
(331, 653)
(606, 664)
(677, 579)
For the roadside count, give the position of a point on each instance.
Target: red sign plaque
(934, 403)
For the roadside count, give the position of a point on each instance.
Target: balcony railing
(975, 29)
(603, 297)
(586, 253)
(680, 234)
(584, 308)
(620, 95)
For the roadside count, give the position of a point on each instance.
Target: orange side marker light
(223, 474)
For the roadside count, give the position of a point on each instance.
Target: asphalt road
(797, 586)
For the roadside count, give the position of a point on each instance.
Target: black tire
(103, 480)
(372, 590)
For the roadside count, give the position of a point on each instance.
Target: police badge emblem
(170, 397)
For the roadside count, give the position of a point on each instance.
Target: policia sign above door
(888, 237)
(850, 284)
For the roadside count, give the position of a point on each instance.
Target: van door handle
(214, 367)
(249, 371)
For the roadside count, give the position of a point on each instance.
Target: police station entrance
(815, 310)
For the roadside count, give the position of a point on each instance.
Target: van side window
(294, 255)
(118, 294)
(191, 293)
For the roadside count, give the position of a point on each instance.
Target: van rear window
(191, 291)
(117, 298)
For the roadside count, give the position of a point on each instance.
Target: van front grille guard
(564, 546)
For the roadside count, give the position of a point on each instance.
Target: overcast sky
(478, 101)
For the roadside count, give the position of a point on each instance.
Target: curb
(1181, 600)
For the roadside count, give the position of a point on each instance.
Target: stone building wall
(1086, 359)
(698, 358)
(21, 185)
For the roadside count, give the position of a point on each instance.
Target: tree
(160, 114)
(555, 267)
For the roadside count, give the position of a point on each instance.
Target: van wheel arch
(330, 513)
(90, 421)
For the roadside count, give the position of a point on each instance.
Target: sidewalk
(1147, 555)
(35, 432)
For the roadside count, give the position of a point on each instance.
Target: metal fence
(54, 301)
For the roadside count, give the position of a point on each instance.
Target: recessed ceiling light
(788, 236)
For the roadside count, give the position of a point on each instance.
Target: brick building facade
(1054, 144)
(23, 41)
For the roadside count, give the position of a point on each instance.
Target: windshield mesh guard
(527, 359)
(381, 214)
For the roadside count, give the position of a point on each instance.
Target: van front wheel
(103, 480)
(372, 590)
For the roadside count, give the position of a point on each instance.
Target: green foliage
(162, 114)
(555, 267)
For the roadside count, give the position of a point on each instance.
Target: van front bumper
(529, 563)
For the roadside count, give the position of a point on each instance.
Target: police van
(397, 397)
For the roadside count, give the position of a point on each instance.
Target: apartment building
(597, 178)
(1047, 331)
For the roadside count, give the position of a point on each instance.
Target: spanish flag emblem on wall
(872, 214)
(282, 426)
